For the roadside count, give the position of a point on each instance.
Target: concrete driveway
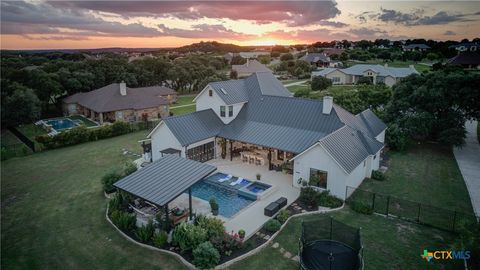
(468, 159)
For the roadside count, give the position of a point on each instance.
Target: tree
(233, 74)
(21, 105)
(385, 55)
(436, 105)
(286, 57)
(320, 83)
(238, 60)
(432, 56)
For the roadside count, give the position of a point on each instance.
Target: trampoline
(330, 245)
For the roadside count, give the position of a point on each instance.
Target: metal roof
(251, 66)
(165, 179)
(360, 69)
(315, 57)
(109, 99)
(323, 72)
(194, 127)
(366, 121)
(170, 151)
(231, 92)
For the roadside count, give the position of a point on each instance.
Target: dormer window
(230, 111)
(210, 92)
(222, 111)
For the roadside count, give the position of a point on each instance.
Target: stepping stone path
(285, 253)
(275, 245)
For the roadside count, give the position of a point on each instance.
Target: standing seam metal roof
(165, 179)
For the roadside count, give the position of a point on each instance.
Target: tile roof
(165, 179)
(109, 99)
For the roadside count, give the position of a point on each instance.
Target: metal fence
(23, 138)
(409, 210)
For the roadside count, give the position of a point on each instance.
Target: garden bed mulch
(298, 207)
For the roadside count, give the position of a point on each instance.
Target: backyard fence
(23, 138)
(392, 206)
(144, 125)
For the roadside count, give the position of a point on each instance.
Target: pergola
(165, 179)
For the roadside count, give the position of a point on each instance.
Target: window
(202, 153)
(230, 111)
(222, 111)
(210, 92)
(335, 79)
(318, 178)
(280, 154)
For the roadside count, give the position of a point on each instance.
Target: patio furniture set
(253, 158)
(271, 209)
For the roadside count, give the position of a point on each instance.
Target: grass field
(184, 100)
(295, 88)
(426, 173)
(183, 110)
(53, 211)
(388, 244)
(8, 138)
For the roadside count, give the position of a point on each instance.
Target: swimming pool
(229, 201)
(61, 123)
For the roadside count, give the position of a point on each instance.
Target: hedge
(82, 134)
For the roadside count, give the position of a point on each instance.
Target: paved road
(468, 159)
(295, 83)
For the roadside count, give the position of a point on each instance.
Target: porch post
(231, 155)
(190, 202)
(269, 159)
(101, 118)
(166, 217)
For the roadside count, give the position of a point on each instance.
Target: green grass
(182, 110)
(388, 243)
(184, 100)
(291, 81)
(53, 211)
(295, 88)
(426, 173)
(8, 138)
(31, 131)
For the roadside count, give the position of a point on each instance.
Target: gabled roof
(109, 99)
(315, 57)
(165, 179)
(324, 71)
(251, 66)
(194, 127)
(395, 72)
(231, 92)
(465, 58)
(366, 121)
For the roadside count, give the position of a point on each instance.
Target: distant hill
(99, 50)
(214, 47)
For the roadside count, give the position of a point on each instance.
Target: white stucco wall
(204, 101)
(376, 161)
(344, 78)
(163, 138)
(355, 178)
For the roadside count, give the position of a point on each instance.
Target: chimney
(306, 53)
(123, 89)
(327, 104)
(386, 65)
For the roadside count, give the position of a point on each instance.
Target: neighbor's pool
(61, 123)
(229, 201)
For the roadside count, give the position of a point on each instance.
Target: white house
(317, 142)
(377, 73)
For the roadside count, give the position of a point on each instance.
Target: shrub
(305, 92)
(364, 80)
(118, 202)
(145, 233)
(227, 243)
(378, 175)
(160, 239)
(241, 234)
(283, 215)
(213, 226)
(361, 208)
(320, 83)
(124, 221)
(120, 128)
(188, 236)
(308, 196)
(108, 180)
(205, 256)
(130, 168)
(326, 200)
(213, 204)
(273, 225)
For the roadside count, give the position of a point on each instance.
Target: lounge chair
(228, 177)
(239, 180)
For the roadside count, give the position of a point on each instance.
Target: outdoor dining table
(253, 155)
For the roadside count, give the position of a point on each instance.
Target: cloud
(204, 31)
(417, 17)
(332, 24)
(367, 32)
(293, 13)
(449, 33)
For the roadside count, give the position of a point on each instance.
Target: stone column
(100, 117)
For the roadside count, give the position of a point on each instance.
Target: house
(332, 51)
(467, 59)
(117, 102)
(313, 141)
(377, 73)
(250, 67)
(317, 59)
(463, 47)
(415, 47)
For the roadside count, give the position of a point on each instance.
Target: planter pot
(215, 212)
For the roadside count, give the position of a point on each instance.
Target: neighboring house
(310, 139)
(250, 67)
(253, 55)
(317, 59)
(228, 57)
(416, 47)
(332, 51)
(463, 47)
(468, 59)
(377, 73)
(117, 102)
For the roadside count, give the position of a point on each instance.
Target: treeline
(34, 84)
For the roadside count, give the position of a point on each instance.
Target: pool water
(63, 123)
(230, 202)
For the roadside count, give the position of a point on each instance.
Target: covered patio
(161, 182)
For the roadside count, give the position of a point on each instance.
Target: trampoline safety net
(329, 244)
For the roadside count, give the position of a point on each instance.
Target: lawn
(8, 138)
(388, 243)
(295, 88)
(426, 173)
(53, 211)
(291, 81)
(184, 100)
(31, 131)
(182, 110)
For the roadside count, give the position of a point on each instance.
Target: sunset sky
(151, 24)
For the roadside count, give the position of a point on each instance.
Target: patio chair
(245, 159)
(258, 161)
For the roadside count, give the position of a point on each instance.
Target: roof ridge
(184, 115)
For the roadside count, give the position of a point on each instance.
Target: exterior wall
(344, 78)
(355, 178)
(193, 145)
(376, 161)
(389, 81)
(318, 158)
(153, 113)
(70, 108)
(381, 137)
(163, 138)
(204, 102)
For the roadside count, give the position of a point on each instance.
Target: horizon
(77, 25)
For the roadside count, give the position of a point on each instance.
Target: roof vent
(123, 88)
(223, 91)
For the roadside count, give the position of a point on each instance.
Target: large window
(318, 178)
(230, 111)
(222, 111)
(280, 155)
(335, 79)
(202, 152)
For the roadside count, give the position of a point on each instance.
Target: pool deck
(252, 218)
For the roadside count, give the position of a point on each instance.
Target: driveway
(468, 159)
